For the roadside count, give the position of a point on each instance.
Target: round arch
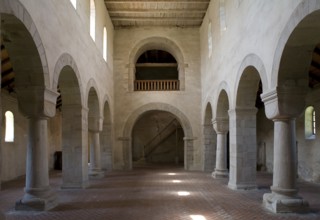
(251, 70)
(183, 120)
(218, 109)
(18, 19)
(66, 60)
(92, 89)
(209, 139)
(306, 14)
(157, 43)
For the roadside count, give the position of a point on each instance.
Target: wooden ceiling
(172, 13)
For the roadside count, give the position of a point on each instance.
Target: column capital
(37, 101)
(284, 102)
(95, 123)
(221, 124)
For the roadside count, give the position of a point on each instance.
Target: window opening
(9, 132)
(74, 3)
(105, 43)
(156, 70)
(310, 123)
(222, 12)
(210, 39)
(314, 122)
(92, 19)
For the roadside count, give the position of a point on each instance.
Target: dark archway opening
(157, 138)
(156, 70)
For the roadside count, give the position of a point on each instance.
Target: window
(310, 123)
(314, 122)
(9, 132)
(209, 39)
(105, 44)
(222, 13)
(74, 3)
(92, 20)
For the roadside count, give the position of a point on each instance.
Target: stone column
(282, 106)
(243, 148)
(106, 147)
(125, 162)
(221, 126)
(38, 194)
(188, 153)
(95, 171)
(210, 143)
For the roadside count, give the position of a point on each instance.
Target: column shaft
(284, 174)
(38, 196)
(95, 156)
(221, 161)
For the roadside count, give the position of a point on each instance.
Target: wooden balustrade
(156, 85)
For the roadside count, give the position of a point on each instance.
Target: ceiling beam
(157, 19)
(138, 11)
(157, 1)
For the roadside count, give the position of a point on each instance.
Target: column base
(285, 204)
(247, 186)
(96, 174)
(82, 185)
(37, 200)
(220, 174)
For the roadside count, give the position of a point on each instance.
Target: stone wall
(186, 101)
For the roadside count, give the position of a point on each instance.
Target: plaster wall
(13, 154)
(187, 101)
(252, 27)
(63, 29)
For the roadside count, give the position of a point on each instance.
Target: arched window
(222, 13)
(105, 43)
(310, 123)
(156, 70)
(74, 3)
(9, 132)
(92, 20)
(209, 39)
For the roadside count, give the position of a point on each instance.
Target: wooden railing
(156, 85)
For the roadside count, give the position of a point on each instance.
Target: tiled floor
(153, 193)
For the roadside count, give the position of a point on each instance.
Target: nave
(157, 192)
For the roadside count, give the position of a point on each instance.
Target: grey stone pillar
(38, 194)
(95, 171)
(221, 126)
(282, 106)
(126, 153)
(243, 148)
(74, 147)
(106, 147)
(188, 154)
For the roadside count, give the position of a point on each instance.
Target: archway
(183, 120)
(157, 138)
(243, 132)
(28, 79)
(106, 139)
(94, 131)
(210, 141)
(156, 43)
(291, 74)
(221, 126)
(74, 124)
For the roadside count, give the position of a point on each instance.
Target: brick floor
(152, 193)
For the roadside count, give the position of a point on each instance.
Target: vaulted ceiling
(177, 13)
